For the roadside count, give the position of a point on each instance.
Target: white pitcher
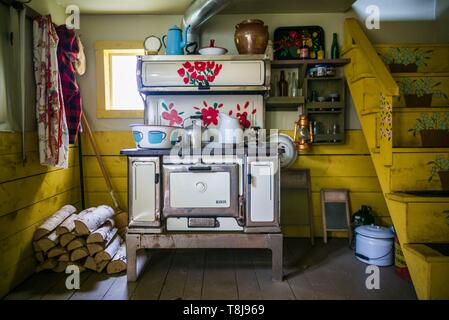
(230, 130)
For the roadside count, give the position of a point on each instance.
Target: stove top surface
(208, 150)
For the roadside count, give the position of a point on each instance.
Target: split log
(97, 247)
(121, 220)
(110, 250)
(48, 242)
(118, 262)
(122, 232)
(101, 233)
(102, 265)
(66, 238)
(51, 223)
(39, 256)
(62, 265)
(90, 264)
(79, 264)
(78, 254)
(64, 257)
(93, 220)
(68, 225)
(49, 264)
(76, 243)
(56, 252)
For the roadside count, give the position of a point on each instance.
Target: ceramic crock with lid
(374, 245)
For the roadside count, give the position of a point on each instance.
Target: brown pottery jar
(251, 37)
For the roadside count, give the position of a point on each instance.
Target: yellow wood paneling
(23, 218)
(11, 167)
(21, 193)
(16, 274)
(115, 165)
(97, 184)
(337, 166)
(29, 193)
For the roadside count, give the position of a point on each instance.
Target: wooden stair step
(429, 270)
(419, 218)
(414, 197)
(397, 150)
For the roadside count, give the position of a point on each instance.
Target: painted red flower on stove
(199, 73)
(171, 114)
(200, 66)
(209, 114)
(242, 115)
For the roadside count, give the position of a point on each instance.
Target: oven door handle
(200, 169)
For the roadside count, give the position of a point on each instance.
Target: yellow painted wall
(29, 193)
(343, 166)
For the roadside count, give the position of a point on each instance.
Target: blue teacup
(138, 136)
(156, 137)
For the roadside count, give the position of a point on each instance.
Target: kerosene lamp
(303, 133)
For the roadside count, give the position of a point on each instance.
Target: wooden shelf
(277, 64)
(285, 101)
(324, 78)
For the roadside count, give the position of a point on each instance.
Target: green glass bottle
(335, 50)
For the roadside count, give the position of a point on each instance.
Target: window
(116, 79)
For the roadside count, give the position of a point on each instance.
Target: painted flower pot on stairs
(444, 178)
(413, 101)
(403, 68)
(435, 138)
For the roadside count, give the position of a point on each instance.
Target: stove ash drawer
(192, 190)
(144, 192)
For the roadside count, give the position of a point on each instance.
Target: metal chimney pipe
(199, 12)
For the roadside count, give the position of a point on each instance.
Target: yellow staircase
(401, 165)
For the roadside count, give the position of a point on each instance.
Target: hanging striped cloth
(51, 121)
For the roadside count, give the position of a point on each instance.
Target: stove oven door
(198, 190)
(263, 190)
(144, 191)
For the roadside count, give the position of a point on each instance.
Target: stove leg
(132, 244)
(276, 243)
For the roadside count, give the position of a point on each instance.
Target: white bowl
(155, 137)
(213, 50)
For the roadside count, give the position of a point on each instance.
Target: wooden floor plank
(219, 276)
(121, 289)
(152, 280)
(323, 271)
(176, 278)
(194, 282)
(60, 292)
(35, 287)
(94, 288)
(247, 284)
(294, 266)
(271, 290)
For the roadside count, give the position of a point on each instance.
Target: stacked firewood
(88, 240)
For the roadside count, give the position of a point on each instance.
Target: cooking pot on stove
(194, 134)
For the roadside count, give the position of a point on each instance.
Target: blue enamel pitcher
(173, 41)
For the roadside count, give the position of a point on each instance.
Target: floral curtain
(51, 121)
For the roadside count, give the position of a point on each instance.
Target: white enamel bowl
(155, 137)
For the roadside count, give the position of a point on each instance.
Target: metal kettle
(173, 41)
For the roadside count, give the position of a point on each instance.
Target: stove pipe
(199, 12)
